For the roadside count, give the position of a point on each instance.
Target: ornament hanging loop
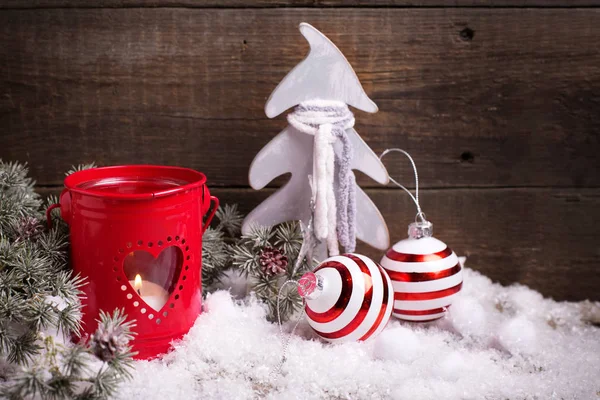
(420, 214)
(277, 370)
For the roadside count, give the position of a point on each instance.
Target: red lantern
(136, 234)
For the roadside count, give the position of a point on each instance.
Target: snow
(518, 335)
(468, 316)
(496, 343)
(398, 343)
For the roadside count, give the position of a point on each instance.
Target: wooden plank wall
(497, 101)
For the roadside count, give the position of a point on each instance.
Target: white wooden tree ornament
(324, 74)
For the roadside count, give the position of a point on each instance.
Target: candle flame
(137, 283)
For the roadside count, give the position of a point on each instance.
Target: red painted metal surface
(139, 220)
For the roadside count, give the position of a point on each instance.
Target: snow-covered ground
(496, 343)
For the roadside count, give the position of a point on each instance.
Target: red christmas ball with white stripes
(425, 273)
(348, 298)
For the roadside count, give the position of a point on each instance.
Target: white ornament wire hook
(286, 343)
(420, 214)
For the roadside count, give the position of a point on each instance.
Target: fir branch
(68, 286)
(80, 167)
(6, 340)
(27, 228)
(87, 394)
(290, 302)
(217, 247)
(111, 340)
(12, 307)
(32, 270)
(230, 219)
(17, 198)
(246, 260)
(60, 387)
(57, 221)
(288, 236)
(283, 240)
(266, 286)
(16, 185)
(304, 267)
(73, 361)
(105, 384)
(24, 348)
(53, 244)
(259, 236)
(39, 297)
(14, 207)
(13, 177)
(216, 256)
(7, 251)
(65, 371)
(28, 384)
(41, 314)
(69, 319)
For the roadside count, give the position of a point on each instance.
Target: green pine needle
(23, 348)
(287, 238)
(68, 286)
(28, 384)
(246, 260)
(69, 319)
(80, 167)
(40, 295)
(259, 237)
(230, 219)
(54, 244)
(74, 361)
(41, 314)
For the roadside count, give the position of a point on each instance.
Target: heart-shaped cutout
(154, 279)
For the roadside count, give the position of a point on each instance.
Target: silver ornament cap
(420, 229)
(310, 286)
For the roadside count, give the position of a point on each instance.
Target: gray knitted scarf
(317, 116)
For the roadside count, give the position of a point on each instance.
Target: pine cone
(107, 342)
(28, 228)
(273, 261)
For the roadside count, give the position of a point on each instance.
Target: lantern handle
(49, 214)
(212, 213)
(64, 203)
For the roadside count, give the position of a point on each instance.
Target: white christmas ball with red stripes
(425, 273)
(348, 298)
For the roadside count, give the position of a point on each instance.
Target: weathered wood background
(498, 102)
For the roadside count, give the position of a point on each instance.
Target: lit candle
(153, 295)
(137, 284)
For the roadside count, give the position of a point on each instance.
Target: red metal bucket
(136, 234)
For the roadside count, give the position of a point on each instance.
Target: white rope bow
(328, 121)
